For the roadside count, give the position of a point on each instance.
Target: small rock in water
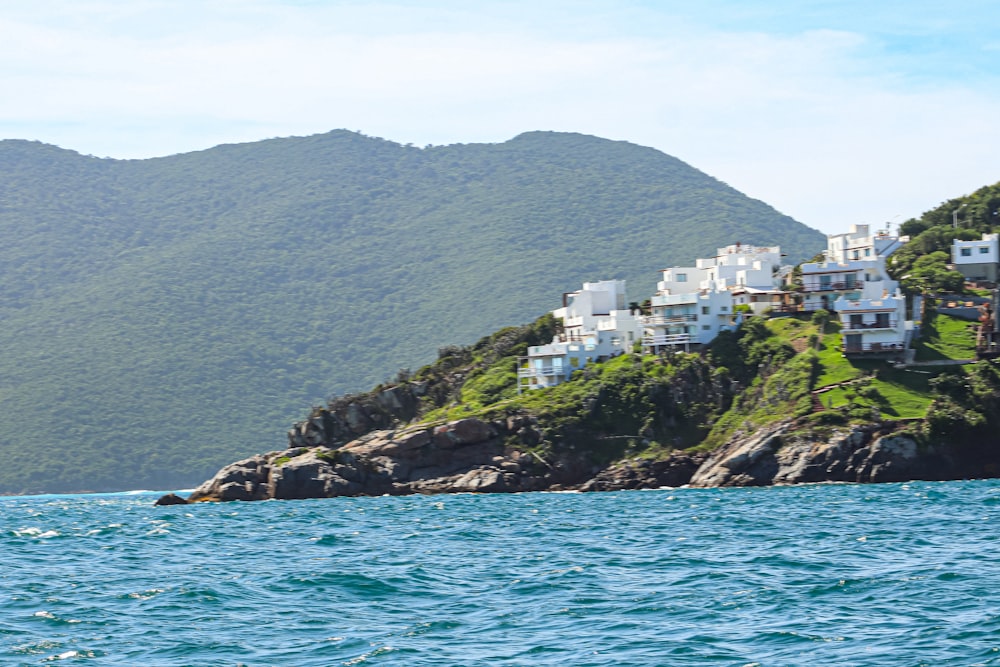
(171, 499)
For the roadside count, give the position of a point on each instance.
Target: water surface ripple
(891, 574)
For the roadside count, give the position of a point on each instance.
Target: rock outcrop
(471, 455)
(676, 470)
(780, 454)
(467, 455)
(171, 499)
(351, 416)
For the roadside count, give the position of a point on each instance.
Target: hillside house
(977, 260)
(597, 325)
(693, 304)
(851, 261)
(853, 282)
(875, 321)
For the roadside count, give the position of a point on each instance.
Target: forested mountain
(162, 317)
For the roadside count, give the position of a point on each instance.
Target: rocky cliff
(636, 421)
(781, 454)
(468, 455)
(471, 455)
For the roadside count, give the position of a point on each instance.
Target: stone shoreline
(470, 455)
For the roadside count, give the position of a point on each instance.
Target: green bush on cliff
(780, 392)
(630, 402)
(744, 351)
(645, 405)
(485, 372)
(966, 408)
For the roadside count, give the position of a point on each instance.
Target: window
(966, 252)
(868, 252)
(984, 250)
(706, 327)
(682, 277)
(724, 308)
(704, 310)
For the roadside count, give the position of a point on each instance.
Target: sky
(832, 112)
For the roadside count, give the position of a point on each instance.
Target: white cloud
(808, 120)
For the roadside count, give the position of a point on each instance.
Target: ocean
(834, 574)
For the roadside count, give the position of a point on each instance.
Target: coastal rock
(674, 471)
(484, 480)
(170, 499)
(476, 456)
(465, 455)
(781, 454)
(243, 480)
(316, 474)
(462, 432)
(357, 419)
(743, 462)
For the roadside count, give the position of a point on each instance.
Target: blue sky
(832, 112)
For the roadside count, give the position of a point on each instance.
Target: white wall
(976, 254)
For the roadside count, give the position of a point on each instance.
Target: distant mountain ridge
(162, 317)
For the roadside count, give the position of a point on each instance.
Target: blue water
(894, 574)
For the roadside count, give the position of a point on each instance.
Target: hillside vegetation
(769, 370)
(650, 407)
(922, 264)
(163, 317)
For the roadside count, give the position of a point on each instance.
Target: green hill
(922, 265)
(163, 317)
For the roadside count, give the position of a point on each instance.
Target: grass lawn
(793, 328)
(903, 394)
(834, 367)
(946, 337)
(904, 402)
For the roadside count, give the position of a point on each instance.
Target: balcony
(548, 371)
(674, 299)
(831, 287)
(663, 320)
(658, 340)
(873, 348)
(870, 326)
(788, 308)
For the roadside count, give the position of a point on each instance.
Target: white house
(596, 325)
(852, 281)
(851, 261)
(741, 265)
(977, 260)
(685, 319)
(874, 321)
(693, 304)
(860, 244)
